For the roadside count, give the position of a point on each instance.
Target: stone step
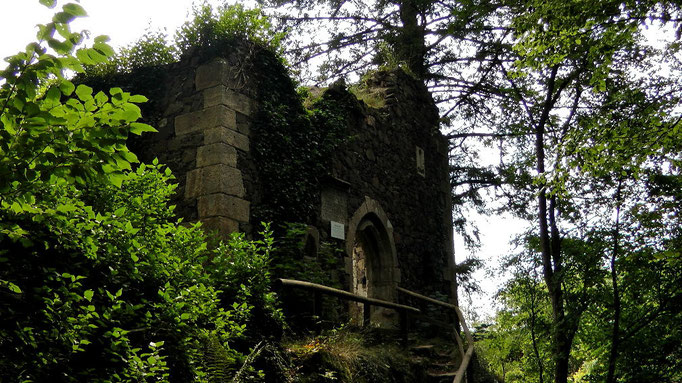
(441, 362)
(447, 365)
(441, 376)
(424, 350)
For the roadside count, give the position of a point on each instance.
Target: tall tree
(580, 65)
(576, 101)
(445, 44)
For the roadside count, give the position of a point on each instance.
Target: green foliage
(647, 274)
(104, 280)
(294, 257)
(341, 355)
(592, 115)
(241, 269)
(54, 133)
(370, 95)
(98, 280)
(208, 28)
(150, 50)
(293, 145)
(517, 345)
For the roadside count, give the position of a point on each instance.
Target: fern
(219, 361)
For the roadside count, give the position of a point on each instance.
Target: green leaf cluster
(150, 50)
(647, 264)
(98, 279)
(112, 288)
(53, 132)
(293, 145)
(209, 27)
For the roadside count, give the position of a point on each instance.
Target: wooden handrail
(425, 298)
(346, 295)
(466, 356)
(470, 348)
(404, 309)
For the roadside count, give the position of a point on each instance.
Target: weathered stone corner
(214, 73)
(222, 95)
(201, 120)
(212, 179)
(223, 205)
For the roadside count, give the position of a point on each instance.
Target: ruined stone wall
(203, 122)
(396, 156)
(390, 166)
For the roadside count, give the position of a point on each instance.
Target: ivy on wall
(292, 145)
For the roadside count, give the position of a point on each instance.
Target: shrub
(98, 281)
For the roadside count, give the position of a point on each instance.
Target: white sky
(124, 21)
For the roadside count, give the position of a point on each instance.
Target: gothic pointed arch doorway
(373, 267)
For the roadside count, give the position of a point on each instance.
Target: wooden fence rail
(318, 289)
(466, 356)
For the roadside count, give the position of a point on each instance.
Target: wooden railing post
(404, 327)
(366, 314)
(466, 356)
(403, 309)
(317, 310)
(366, 302)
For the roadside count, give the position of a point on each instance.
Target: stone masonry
(216, 181)
(387, 185)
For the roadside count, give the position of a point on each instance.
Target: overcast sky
(122, 20)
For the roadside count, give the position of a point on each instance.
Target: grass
(351, 355)
(373, 97)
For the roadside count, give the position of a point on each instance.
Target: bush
(117, 290)
(98, 281)
(150, 50)
(209, 27)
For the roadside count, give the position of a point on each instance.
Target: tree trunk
(550, 245)
(615, 334)
(533, 316)
(411, 45)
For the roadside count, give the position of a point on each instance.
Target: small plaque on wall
(338, 230)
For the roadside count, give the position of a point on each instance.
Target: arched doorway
(373, 263)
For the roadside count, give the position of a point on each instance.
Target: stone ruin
(384, 199)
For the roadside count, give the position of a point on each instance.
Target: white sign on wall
(338, 230)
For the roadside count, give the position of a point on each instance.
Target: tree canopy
(585, 115)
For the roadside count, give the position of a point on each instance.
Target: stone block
(208, 118)
(219, 178)
(226, 136)
(449, 274)
(187, 161)
(221, 95)
(217, 153)
(224, 226)
(223, 205)
(243, 124)
(334, 205)
(214, 73)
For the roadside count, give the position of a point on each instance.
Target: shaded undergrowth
(350, 355)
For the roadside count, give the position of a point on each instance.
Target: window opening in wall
(421, 168)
